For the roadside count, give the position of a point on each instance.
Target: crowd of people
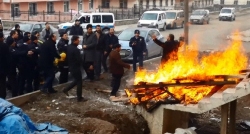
(25, 60)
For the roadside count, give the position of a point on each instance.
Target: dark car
(152, 48)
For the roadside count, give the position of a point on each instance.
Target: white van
(105, 20)
(153, 19)
(227, 13)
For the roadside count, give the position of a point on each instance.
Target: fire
(227, 62)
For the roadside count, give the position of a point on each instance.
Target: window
(160, 3)
(222, 2)
(235, 2)
(107, 19)
(147, 4)
(79, 5)
(105, 3)
(91, 4)
(37, 27)
(154, 3)
(96, 18)
(50, 7)
(123, 3)
(141, 3)
(248, 2)
(156, 33)
(172, 2)
(32, 9)
(66, 6)
(166, 3)
(15, 12)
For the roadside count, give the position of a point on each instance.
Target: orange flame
(228, 62)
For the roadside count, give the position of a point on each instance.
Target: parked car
(200, 16)
(152, 48)
(227, 13)
(153, 19)
(31, 27)
(174, 18)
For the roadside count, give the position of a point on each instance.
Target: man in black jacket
(4, 57)
(89, 45)
(170, 48)
(76, 29)
(99, 51)
(12, 37)
(62, 46)
(139, 49)
(74, 61)
(24, 66)
(13, 61)
(20, 33)
(110, 40)
(34, 75)
(48, 53)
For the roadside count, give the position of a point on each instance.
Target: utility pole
(186, 27)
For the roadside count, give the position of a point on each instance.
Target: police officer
(4, 57)
(37, 34)
(13, 60)
(20, 33)
(20, 42)
(62, 46)
(33, 63)
(24, 67)
(139, 49)
(12, 37)
(76, 29)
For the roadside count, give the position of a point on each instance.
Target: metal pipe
(186, 27)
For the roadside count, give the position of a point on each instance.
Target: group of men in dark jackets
(23, 52)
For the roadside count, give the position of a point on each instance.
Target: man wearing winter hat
(20, 33)
(34, 75)
(24, 66)
(76, 29)
(139, 49)
(62, 47)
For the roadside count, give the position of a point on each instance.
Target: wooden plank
(22, 99)
(232, 122)
(153, 85)
(224, 118)
(19, 100)
(174, 119)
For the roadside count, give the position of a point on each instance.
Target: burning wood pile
(188, 79)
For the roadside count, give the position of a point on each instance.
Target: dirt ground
(100, 116)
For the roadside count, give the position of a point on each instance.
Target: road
(212, 36)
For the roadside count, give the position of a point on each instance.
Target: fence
(36, 16)
(120, 13)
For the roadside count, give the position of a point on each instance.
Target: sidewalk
(242, 36)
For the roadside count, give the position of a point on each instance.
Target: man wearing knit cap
(20, 33)
(24, 66)
(76, 29)
(4, 57)
(13, 59)
(62, 46)
(33, 60)
(139, 49)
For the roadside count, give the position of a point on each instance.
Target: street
(212, 36)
